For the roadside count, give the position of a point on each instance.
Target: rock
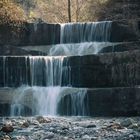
(59, 129)
(126, 122)
(91, 126)
(49, 135)
(133, 126)
(65, 128)
(138, 125)
(25, 124)
(86, 137)
(27, 35)
(35, 122)
(94, 138)
(115, 126)
(7, 128)
(6, 137)
(21, 138)
(41, 119)
(131, 136)
(138, 129)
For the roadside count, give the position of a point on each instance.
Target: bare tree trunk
(77, 11)
(69, 10)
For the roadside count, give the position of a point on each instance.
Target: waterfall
(80, 49)
(20, 101)
(42, 93)
(46, 70)
(40, 100)
(82, 39)
(48, 101)
(85, 32)
(74, 102)
(79, 39)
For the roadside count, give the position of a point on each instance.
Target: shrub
(11, 13)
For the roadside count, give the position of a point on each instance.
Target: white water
(76, 103)
(80, 39)
(20, 99)
(45, 101)
(85, 32)
(48, 67)
(78, 49)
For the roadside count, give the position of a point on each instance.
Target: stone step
(44, 50)
(124, 46)
(119, 101)
(46, 34)
(104, 70)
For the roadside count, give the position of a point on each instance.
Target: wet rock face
(5, 109)
(107, 102)
(17, 51)
(122, 47)
(30, 34)
(46, 34)
(105, 70)
(123, 31)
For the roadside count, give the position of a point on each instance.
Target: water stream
(52, 98)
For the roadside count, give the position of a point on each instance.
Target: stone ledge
(110, 102)
(126, 46)
(103, 70)
(46, 34)
(30, 34)
(119, 101)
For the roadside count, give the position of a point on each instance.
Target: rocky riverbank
(70, 128)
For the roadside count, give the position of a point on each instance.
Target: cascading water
(86, 32)
(74, 102)
(41, 100)
(82, 39)
(48, 101)
(45, 73)
(80, 49)
(48, 67)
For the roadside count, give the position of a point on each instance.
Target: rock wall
(30, 34)
(99, 101)
(109, 102)
(104, 70)
(47, 34)
(119, 10)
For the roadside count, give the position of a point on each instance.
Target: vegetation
(48, 10)
(10, 12)
(65, 10)
(59, 11)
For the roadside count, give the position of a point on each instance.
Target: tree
(56, 11)
(10, 12)
(60, 11)
(69, 10)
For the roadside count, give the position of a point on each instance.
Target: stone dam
(72, 69)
